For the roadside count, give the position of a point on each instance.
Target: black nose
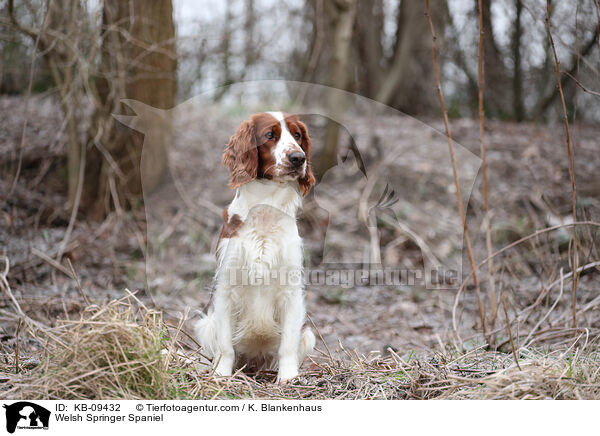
(297, 158)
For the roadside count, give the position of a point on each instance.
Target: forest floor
(118, 323)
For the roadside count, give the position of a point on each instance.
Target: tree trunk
(497, 79)
(138, 62)
(518, 106)
(225, 50)
(342, 13)
(410, 22)
(406, 83)
(368, 40)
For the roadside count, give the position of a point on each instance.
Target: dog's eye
(269, 135)
(297, 135)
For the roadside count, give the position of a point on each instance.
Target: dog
(258, 312)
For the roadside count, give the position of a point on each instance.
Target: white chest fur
(268, 238)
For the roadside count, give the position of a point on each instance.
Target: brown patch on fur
(230, 226)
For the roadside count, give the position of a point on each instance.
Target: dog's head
(270, 145)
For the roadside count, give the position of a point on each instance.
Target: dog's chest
(267, 241)
(267, 222)
(269, 236)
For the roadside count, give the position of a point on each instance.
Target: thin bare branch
(575, 259)
(578, 83)
(455, 174)
(488, 225)
(510, 336)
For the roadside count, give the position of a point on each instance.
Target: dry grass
(123, 350)
(112, 351)
(562, 375)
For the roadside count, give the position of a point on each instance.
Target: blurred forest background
(73, 228)
(91, 54)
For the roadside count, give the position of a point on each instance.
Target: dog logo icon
(26, 415)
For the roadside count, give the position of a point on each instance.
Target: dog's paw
(222, 372)
(285, 374)
(224, 368)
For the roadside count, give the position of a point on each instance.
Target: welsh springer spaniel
(258, 311)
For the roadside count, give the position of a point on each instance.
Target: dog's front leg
(292, 319)
(225, 355)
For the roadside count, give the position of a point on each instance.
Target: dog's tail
(307, 344)
(206, 333)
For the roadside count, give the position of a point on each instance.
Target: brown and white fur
(258, 320)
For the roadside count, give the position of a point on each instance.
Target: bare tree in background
(505, 68)
(497, 76)
(407, 34)
(131, 55)
(549, 91)
(517, 80)
(368, 40)
(403, 83)
(138, 62)
(341, 14)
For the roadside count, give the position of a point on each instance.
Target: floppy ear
(241, 155)
(306, 182)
